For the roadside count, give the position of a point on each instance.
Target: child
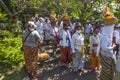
(95, 48)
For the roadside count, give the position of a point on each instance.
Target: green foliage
(14, 27)
(76, 8)
(2, 15)
(10, 54)
(6, 33)
(117, 13)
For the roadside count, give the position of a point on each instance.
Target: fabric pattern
(108, 68)
(31, 57)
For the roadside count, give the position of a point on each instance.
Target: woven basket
(109, 21)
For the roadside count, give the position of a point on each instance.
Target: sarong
(65, 54)
(108, 68)
(78, 60)
(95, 61)
(31, 57)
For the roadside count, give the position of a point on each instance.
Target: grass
(11, 74)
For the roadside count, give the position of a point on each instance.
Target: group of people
(71, 40)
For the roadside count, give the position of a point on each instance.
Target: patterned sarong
(108, 68)
(65, 54)
(31, 57)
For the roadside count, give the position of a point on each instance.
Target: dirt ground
(50, 70)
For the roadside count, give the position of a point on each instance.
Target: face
(78, 30)
(96, 31)
(65, 26)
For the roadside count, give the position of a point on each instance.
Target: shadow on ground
(52, 71)
(12, 74)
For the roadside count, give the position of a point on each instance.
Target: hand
(114, 46)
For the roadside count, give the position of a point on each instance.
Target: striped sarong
(108, 68)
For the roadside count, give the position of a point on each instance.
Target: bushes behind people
(10, 54)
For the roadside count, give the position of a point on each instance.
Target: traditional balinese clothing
(88, 29)
(106, 45)
(77, 43)
(72, 31)
(30, 48)
(65, 45)
(40, 29)
(108, 68)
(87, 33)
(54, 33)
(107, 56)
(115, 35)
(95, 49)
(117, 72)
(47, 30)
(31, 58)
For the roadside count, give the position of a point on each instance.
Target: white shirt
(63, 35)
(95, 40)
(77, 42)
(118, 60)
(53, 33)
(39, 27)
(117, 35)
(46, 26)
(108, 30)
(106, 40)
(88, 28)
(106, 46)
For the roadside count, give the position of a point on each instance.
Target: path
(51, 70)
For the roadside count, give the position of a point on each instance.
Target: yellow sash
(82, 50)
